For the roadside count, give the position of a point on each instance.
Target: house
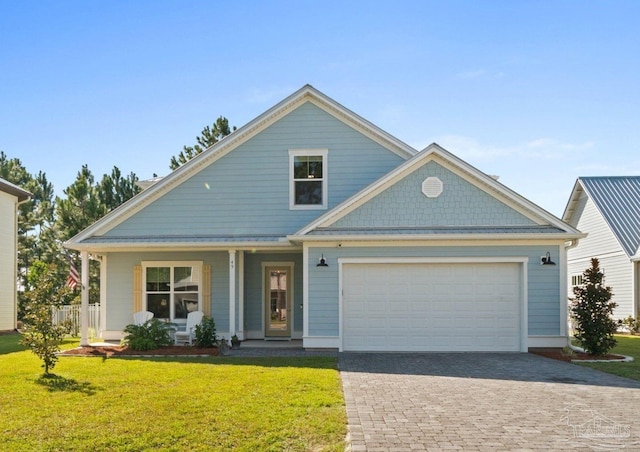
(10, 197)
(311, 223)
(608, 210)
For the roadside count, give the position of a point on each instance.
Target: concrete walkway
(485, 402)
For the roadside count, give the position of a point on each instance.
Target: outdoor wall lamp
(546, 259)
(322, 262)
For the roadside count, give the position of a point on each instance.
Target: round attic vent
(432, 187)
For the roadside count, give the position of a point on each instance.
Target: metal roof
(618, 200)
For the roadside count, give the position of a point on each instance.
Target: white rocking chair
(193, 319)
(141, 317)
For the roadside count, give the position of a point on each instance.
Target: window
(308, 178)
(172, 289)
(576, 280)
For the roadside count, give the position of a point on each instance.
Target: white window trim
(324, 153)
(197, 265)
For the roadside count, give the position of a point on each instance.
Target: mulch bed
(109, 351)
(561, 355)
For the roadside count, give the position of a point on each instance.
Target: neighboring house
(311, 223)
(10, 197)
(608, 210)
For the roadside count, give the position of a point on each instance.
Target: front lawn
(628, 346)
(129, 404)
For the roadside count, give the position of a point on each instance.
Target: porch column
(240, 263)
(305, 291)
(84, 298)
(232, 293)
(564, 292)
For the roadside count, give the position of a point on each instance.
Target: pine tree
(592, 311)
(114, 189)
(208, 137)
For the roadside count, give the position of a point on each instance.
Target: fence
(70, 314)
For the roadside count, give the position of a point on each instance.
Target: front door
(277, 301)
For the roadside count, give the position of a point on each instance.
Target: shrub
(592, 310)
(148, 336)
(206, 333)
(633, 325)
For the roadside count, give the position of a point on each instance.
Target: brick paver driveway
(485, 401)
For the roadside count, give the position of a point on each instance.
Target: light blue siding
(119, 286)
(247, 191)
(460, 204)
(543, 282)
(254, 297)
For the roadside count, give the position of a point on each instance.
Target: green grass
(628, 346)
(174, 404)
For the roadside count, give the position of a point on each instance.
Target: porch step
(259, 343)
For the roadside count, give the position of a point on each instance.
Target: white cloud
(550, 143)
(467, 147)
(629, 169)
(261, 96)
(539, 148)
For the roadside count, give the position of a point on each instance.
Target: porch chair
(139, 318)
(193, 319)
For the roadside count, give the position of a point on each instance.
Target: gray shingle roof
(618, 200)
(438, 230)
(203, 239)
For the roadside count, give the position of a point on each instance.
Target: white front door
(277, 301)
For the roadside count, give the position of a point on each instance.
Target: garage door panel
(432, 307)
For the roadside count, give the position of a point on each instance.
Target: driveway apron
(485, 402)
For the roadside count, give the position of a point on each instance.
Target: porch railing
(70, 315)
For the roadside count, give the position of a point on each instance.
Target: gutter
(573, 238)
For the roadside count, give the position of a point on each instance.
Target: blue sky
(537, 92)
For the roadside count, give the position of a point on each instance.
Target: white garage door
(431, 307)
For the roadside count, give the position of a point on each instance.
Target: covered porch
(255, 294)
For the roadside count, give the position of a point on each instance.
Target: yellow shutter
(206, 290)
(137, 288)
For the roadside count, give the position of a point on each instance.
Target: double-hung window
(172, 289)
(308, 178)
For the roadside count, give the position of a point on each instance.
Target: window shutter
(206, 290)
(137, 288)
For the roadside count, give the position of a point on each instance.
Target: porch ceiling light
(546, 259)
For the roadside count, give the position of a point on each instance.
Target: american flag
(74, 277)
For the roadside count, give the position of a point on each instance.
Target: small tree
(592, 311)
(41, 335)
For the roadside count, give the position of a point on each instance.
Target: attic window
(432, 187)
(308, 178)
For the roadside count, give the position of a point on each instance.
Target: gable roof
(305, 94)
(14, 190)
(545, 223)
(617, 198)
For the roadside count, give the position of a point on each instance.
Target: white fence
(70, 314)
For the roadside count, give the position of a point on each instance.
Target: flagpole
(84, 298)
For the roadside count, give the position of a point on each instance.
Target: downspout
(564, 315)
